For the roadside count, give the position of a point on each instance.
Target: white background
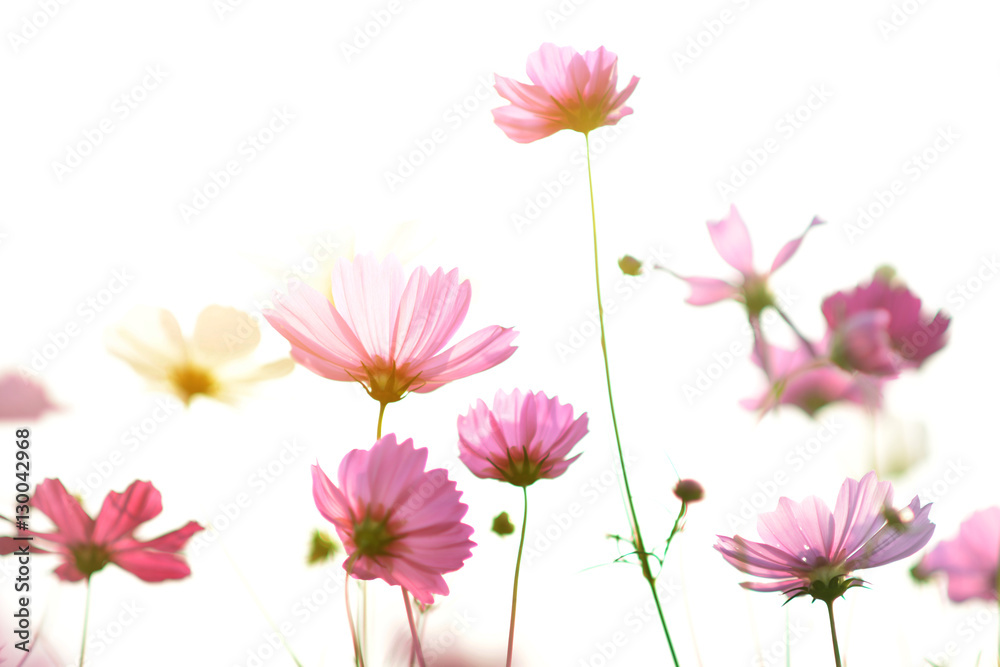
(356, 116)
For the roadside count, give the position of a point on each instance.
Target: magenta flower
(87, 545)
(570, 92)
(22, 399)
(811, 383)
(808, 549)
(879, 328)
(524, 438)
(386, 335)
(970, 559)
(732, 240)
(397, 522)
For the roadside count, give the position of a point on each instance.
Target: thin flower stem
(761, 344)
(633, 517)
(359, 659)
(517, 572)
(381, 413)
(413, 628)
(86, 619)
(795, 330)
(363, 602)
(833, 631)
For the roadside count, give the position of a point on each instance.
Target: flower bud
(502, 525)
(689, 491)
(630, 266)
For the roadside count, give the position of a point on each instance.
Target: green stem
(413, 628)
(359, 659)
(381, 413)
(86, 619)
(833, 631)
(517, 573)
(633, 518)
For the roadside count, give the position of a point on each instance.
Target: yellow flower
(214, 362)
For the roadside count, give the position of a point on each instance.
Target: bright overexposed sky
(184, 154)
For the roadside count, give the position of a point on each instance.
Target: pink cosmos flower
(970, 559)
(397, 522)
(524, 438)
(811, 383)
(808, 549)
(386, 335)
(87, 545)
(21, 398)
(732, 240)
(879, 329)
(570, 92)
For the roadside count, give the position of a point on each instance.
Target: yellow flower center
(189, 380)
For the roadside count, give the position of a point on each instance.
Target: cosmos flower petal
(790, 248)
(479, 352)
(222, 334)
(152, 566)
(970, 559)
(122, 513)
(22, 398)
(53, 500)
(892, 543)
(731, 238)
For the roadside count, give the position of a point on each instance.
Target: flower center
(523, 472)
(385, 381)
(190, 380)
(757, 295)
(372, 538)
(89, 558)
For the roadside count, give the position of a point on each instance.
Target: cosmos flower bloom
(879, 329)
(570, 92)
(21, 398)
(732, 240)
(87, 545)
(524, 438)
(808, 549)
(397, 522)
(386, 335)
(970, 559)
(811, 383)
(213, 363)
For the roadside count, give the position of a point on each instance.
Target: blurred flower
(397, 522)
(732, 240)
(502, 525)
(524, 438)
(970, 559)
(87, 545)
(321, 548)
(689, 491)
(213, 362)
(570, 92)
(22, 399)
(811, 383)
(879, 329)
(810, 550)
(630, 266)
(384, 335)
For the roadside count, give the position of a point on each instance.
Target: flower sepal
(829, 590)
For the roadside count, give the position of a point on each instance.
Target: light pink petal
(792, 246)
(732, 240)
(524, 126)
(431, 310)
(23, 399)
(705, 291)
(479, 352)
(894, 543)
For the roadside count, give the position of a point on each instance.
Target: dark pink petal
(152, 566)
(73, 524)
(122, 513)
(173, 541)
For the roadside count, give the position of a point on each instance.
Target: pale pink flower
(388, 336)
(879, 329)
(524, 438)
(398, 523)
(808, 549)
(732, 240)
(87, 545)
(970, 559)
(811, 383)
(22, 399)
(570, 92)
